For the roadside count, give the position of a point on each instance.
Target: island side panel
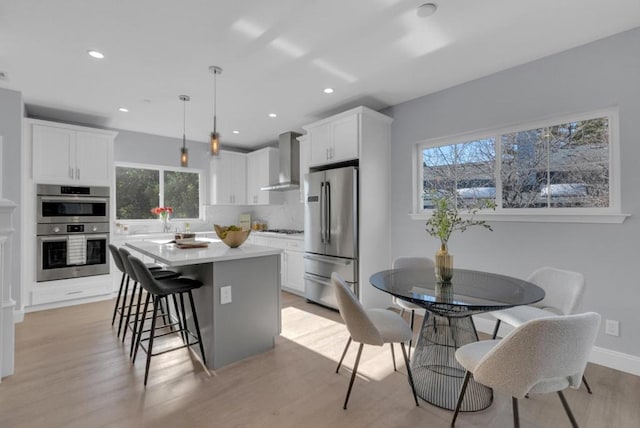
(247, 325)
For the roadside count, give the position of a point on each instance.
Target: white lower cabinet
(291, 260)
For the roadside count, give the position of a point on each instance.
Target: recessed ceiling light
(124, 110)
(426, 10)
(95, 54)
(328, 90)
(236, 132)
(273, 115)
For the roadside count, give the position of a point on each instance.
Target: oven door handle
(72, 199)
(52, 238)
(94, 237)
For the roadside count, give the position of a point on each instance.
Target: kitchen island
(239, 305)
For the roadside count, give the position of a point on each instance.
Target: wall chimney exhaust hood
(289, 153)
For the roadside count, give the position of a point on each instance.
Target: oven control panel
(71, 228)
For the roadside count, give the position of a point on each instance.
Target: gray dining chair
(370, 326)
(563, 293)
(405, 305)
(540, 356)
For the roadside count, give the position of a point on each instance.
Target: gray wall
(137, 147)
(11, 112)
(598, 75)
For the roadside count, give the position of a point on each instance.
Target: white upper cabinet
(67, 154)
(335, 139)
(262, 170)
(229, 178)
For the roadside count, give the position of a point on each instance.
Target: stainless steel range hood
(289, 152)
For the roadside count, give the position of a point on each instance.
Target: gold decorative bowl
(233, 238)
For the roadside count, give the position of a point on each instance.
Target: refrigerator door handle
(329, 259)
(327, 216)
(322, 213)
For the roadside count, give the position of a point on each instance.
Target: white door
(93, 158)
(53, 154)
(345, 139)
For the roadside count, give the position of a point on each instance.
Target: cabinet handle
(71, 173)
(78, 173)
(326, 153)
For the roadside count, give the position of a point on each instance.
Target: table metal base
(436, 374)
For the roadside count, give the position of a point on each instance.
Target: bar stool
(160, 274)
(124, 286)
(156, 290)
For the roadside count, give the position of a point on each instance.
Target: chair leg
(586, 385)
(195, 321)
(467, 376)
(567, 409)
(185, 335)
(393, 357)
(179, 318)
(413, 315)
(353, 375)
(516, 414)
(343, 354)
(124, 299)
(495, 329)
(156, 304)
(141, 327)
(126, 323)
(115, 308)
(135, 324)
(409, 374)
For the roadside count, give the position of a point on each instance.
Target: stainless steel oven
(72, 204)
(72, 232)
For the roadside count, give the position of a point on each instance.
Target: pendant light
(184, 152)
(215, 138)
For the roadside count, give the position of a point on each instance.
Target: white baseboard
(18, 316)
(605, 357)
(62, 304)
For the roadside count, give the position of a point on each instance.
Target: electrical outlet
(225, 295)
(612, 328)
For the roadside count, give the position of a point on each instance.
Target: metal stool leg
(135, 323)
(156, 304)
(463, 390)
(567, 409)
(195, 321)
(116, 307)
(141, 326)
(409, 375)
(584, 380)
(516, 413)
(495, 329)
(393, 357)
(124, 299)
(126, 323)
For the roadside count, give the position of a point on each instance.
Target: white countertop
(217, 251)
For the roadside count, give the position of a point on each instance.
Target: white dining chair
(540, 356)
(371, 327)
(563, 293)
(405, 305)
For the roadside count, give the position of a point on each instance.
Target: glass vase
(165, 223)
(443, 264)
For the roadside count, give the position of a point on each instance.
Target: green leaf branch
(446, 218)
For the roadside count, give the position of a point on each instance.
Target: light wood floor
(71, 371)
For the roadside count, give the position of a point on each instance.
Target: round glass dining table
(448, 325)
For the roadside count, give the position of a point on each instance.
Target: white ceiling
(277, 56)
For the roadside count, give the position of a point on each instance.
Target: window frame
(161, 169)
(610, 214)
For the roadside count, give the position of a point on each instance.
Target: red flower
(162, 211)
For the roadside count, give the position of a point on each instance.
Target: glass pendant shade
(215, 144)
(184, 156)
(184, 152)
(215, 137)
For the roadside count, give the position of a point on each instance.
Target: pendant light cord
(215, 97)
(184, 123)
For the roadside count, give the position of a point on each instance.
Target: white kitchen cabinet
(291, 261)
(335, 139)
(229, 178)
(262, 170)
(68, 154)
(305, 161)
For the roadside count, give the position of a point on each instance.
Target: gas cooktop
(284, 231)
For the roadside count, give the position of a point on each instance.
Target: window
(141, 188)
(561, 167)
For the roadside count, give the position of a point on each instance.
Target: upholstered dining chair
(405, 305)
(371, 327)
(563, 293)
(540, 356)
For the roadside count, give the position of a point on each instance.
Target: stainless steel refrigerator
(331, 232)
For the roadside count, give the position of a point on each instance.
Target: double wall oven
(72, 231)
